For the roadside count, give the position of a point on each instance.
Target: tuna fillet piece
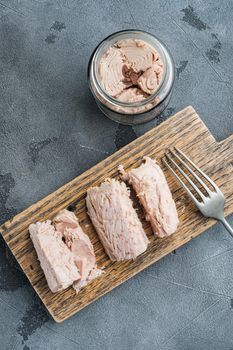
(55, 257)
(65, 252)
(132, 95)
(116, 221)
(151, 187)
(140, 54)
(80, 246)
(111, 71)
(150, 80)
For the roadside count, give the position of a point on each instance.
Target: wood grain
(185, 130)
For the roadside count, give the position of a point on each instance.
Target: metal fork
(212, 203)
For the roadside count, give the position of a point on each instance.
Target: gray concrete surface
(51, 130)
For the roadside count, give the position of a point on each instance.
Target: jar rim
(158, 45)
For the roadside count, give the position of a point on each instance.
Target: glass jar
(134, 112)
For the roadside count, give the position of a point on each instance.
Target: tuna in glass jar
(131, 75)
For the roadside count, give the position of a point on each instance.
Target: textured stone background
(51, 130)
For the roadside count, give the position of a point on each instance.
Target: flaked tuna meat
(151, 187)
(131, 77)
(65, 252)
(149, 81)
(130, 71)
(116, 221)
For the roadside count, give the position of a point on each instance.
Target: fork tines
(171, 160)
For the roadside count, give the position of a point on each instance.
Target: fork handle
(227, 226)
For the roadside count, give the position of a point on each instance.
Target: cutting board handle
(228, 146)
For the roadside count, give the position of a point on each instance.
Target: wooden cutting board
(186, 131)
